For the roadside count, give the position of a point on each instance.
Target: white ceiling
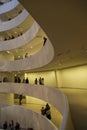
(65, 23)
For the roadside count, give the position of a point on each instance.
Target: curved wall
(20, 41)
(27, 118)
(51, 95)
(9, 57)
(43, 57)
(8, 6)
(14, 22)
(73, 77)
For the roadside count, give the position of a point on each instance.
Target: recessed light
(8, 52)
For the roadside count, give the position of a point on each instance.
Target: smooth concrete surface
(8, 6)
(7, 25)
(51, 95)
(43, 56)
(55, 114)
(22, 40)
(27, 118)
(78, 106)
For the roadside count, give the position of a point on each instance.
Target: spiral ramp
(19, 35)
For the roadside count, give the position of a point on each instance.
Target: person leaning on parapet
(27, 80)
(40, 81)
(48, 112)
(20, 99)
(26, 55)
(36, 81)
(45, 39)
(5, 125)
(43, 111)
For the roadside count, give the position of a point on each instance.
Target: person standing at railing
(45, 39)
(47, 111)
(20, 99)
(43, 111)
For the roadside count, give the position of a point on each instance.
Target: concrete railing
(22, 40)
(43, 57)
(51, 95)
(8, 6)
(27, 118)
(7, 25)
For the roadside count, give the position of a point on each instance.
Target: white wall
(26, 118)
(73, 77)
(33, 100)
(49, 77)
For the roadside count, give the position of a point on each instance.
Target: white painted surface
(8, 6)
(40, 59)
(27, 118)
(51, 95)
(73, 77)
(22, 40)
(7, 25)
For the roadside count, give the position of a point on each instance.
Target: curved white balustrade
(22, 40)
(27, 118)
(43, 57)
(14, 22)
(4, 1)
(8, 6)
(51, 95)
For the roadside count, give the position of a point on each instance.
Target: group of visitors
(25, 80)
(17, 79)
(11, 125)
(39, 81)
(5, 79)
(46, 111)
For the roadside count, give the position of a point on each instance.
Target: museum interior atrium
(43, 58)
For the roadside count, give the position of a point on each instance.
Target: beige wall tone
(51, 95)
(49, 77)
(26, 118)
(6, 98)
(73, 77)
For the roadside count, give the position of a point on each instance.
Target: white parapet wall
(51, 95)
(22, 40)
(7, 25)
(27, 118)
(8, 6)
(43, 57)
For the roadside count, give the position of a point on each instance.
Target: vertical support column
(56, 78)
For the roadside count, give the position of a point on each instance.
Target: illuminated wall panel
(49, 77)
(73, 77)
